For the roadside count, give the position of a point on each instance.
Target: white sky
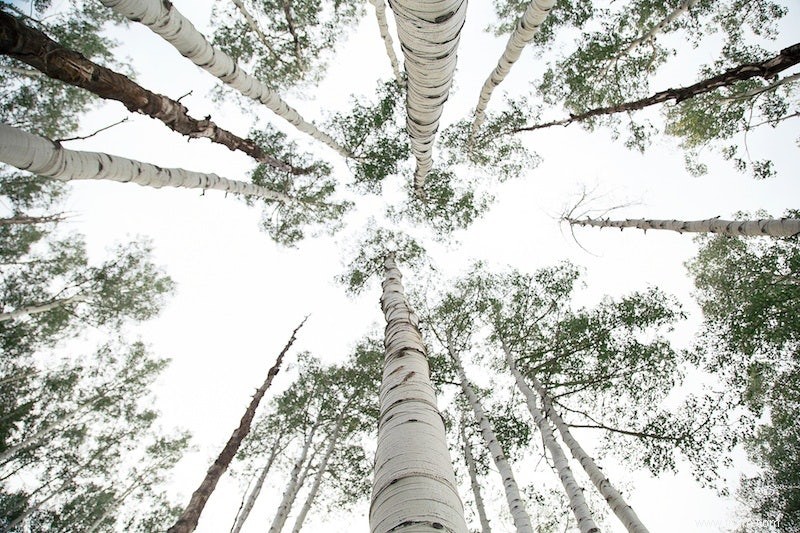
(239, 295)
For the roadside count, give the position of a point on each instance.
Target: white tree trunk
(251, 498)
(333, 440)
(296, 479)
(44, 157)
(516, 504)
(527, 28)
(429, 33)
(473, 478)
(33, 309)
(574, 492)
(383, 26)
(615, 500)
(414, 485)
(166, 21)
(7, 454)
(781, 227)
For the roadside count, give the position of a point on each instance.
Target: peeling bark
(780, 227)
(429, 34)
(788, 57)
(527, 28)
(574, 492)
(187, 522)
(166, 21)
(46, 158)
(414, 488)
(33, 47)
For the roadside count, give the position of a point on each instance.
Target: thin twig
(82, 137)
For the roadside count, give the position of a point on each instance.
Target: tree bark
(414, 487)
(473, 479)
(780, 227)
(527, 28)
(383, 27)
(187, 522)
(166, 21)
(251, 498)
(44, 157)
(33, 47)
(788, 57)
(516, 505)
(296, 480)
(41, 308)
(574, 492)
(333, 440)
(429, 34)
(624, 512)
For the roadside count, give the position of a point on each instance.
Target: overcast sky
(239, 295)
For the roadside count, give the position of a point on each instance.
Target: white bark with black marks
(42, 156)
(624, 512)
(778, 227)
(414, 486)
(166, 21)
(527, 28)
(574, 492)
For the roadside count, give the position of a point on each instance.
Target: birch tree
(167, 22)
(383, 27)
(47, 56)
(747, 289)
(782, 227)
(77, 476)
(454, 333)
(526, 29)
(429, 36)
(408, 404)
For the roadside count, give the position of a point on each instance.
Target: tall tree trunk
(624, 512)
(516, 505)
(383, 27)
(780, 227)
(527, 28)
(414, 483)
(429, 34)
(39, 51)
(44, 157)
(166, 21)
(296, 479)
(786, 58)
(251, 498)
(473, 478)
(333, 440)
(41, 308)
(187, 522)
(574, 492)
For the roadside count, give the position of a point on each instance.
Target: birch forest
(404, 266)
